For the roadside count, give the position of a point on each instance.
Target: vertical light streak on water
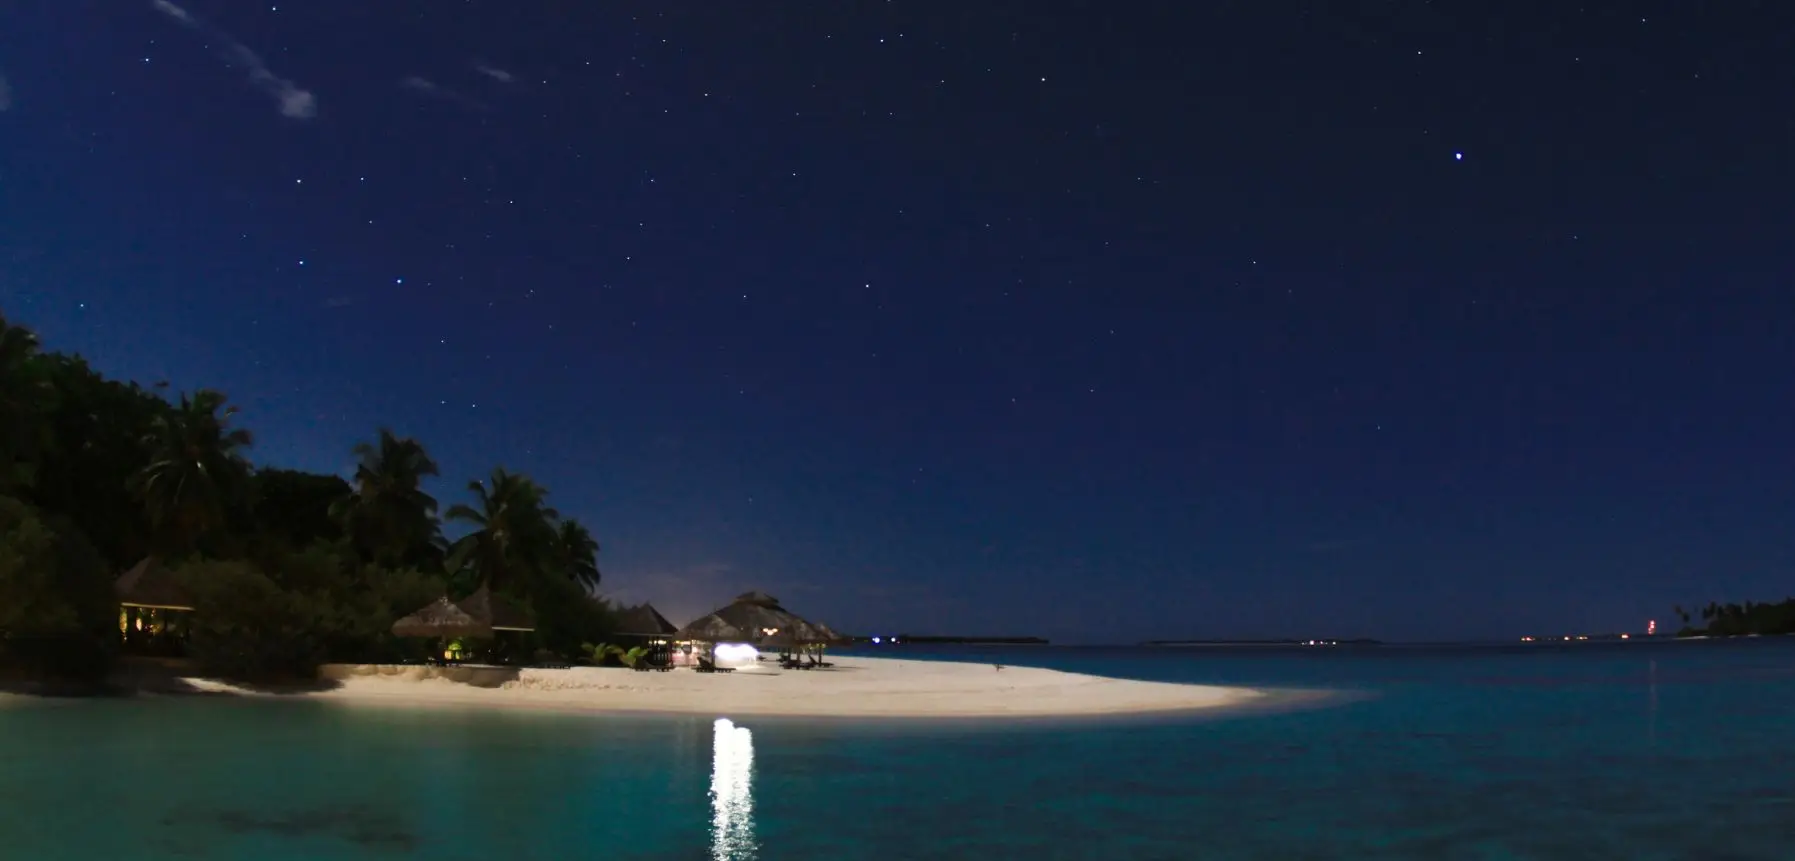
(1652, 709)
(732, 793)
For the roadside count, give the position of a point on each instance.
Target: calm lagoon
(1629, 751)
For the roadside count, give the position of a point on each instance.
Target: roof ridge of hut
(712, 628)
(758, 598)
(150, 583)
(441, 618)
(644, 620)
(496, 611)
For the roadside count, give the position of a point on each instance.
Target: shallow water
(1636, 751)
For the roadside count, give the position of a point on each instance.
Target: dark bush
(247, 627)
(55, 594)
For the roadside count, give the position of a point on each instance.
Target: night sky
(1100, 321)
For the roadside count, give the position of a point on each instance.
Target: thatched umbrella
(442, 618)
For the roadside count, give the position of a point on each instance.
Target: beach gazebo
(712, 631)
(764, 624)
(644, 622)
(441, 618)
(153, 608)
(826, 635)
(643, 625)
(498, 612)
(479, 616)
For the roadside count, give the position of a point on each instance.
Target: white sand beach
(854, 687)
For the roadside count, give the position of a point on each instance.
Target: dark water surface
(1632, 751)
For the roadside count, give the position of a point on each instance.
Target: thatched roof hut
(150, 584)
(497, 611)
(712, 629)
(826, 634)
(643, 620)
(477, 615)
(760, 620)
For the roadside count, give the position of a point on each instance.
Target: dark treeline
(286, 569)
(1738, 620)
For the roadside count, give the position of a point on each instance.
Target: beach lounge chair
(706, 665)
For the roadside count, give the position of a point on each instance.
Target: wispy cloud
(424, 86)
(421, 85)
(5, 94)
(293, 101)
(175, 12)
(495, 73)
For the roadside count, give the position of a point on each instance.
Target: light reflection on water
(732, 793)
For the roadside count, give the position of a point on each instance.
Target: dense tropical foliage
(1739, 620)
(285, 569)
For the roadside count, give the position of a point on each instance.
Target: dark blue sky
(1094, 320)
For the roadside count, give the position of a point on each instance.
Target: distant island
(1314, 642)
(1738, 620)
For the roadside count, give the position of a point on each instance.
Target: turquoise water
(1632, 751)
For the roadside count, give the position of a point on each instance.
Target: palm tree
(389, 515)
(514, 539)
(196, 471)
(26, 396)
(579, 553)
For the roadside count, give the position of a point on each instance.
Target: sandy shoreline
(854, 688)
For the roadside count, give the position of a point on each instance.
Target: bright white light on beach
(736, 654)
(732, 796)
